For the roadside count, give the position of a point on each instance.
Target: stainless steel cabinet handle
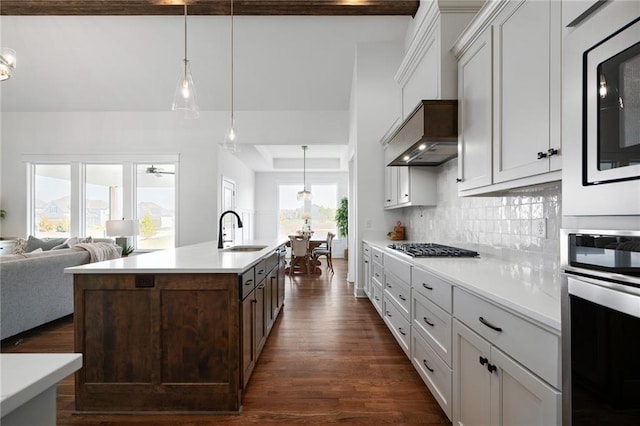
(488, 324)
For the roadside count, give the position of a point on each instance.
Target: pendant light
(304, 194)
(230, 142)
(7, 63)
(185, 99)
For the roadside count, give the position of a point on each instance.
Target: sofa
(35, 290)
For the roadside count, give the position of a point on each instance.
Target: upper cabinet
(410, 186)
(509, 80)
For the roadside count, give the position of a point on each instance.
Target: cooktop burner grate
(432, 250)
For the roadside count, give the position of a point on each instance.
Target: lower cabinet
(490, 388)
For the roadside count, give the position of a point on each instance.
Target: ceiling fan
(153, 170)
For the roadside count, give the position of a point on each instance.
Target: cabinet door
(248, 337)
(391, 186)
(366, 269)
(403, 185)
(471, 379)
(261, 324)
(475, 114)
(520, 398)
(270, 299)
(526, 88)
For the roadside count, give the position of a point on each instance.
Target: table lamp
(122, 229)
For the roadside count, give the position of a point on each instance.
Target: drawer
(397, 267)
(535, 348)
(433, 323)
(398, 324)
(376, 297)
(366, 250)
(435, 373)
(378, 274)
(247, 282)
(377, 256)
(435, 289)
(261, 271)
(271, 261)
(399, 292)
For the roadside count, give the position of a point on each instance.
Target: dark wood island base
(171, 342)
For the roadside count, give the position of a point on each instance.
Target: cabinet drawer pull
(542, 155)
(389, 285)
(388, 314)
(377, 275)
(377, 298)
(402, 331)
(483, 360)
(248, 282)
(488, 324)
(261, 272)
(402, 298)
(552, 151)
(366, 261)
(426, 286)
(458, 180)
(424, 361)
(491, 368)
(427, 321)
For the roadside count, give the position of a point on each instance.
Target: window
(77, 198)
(155, 197)
(51, 212)
(103, 197)
(321, 208)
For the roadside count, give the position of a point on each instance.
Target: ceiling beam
(208, 7)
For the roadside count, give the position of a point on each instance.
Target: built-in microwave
(601, 117)
(611, 141)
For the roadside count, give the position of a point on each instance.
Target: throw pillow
(20, 247)
(45, 244)
(86, 240)
(60, 246)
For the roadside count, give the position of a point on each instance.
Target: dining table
(313, 263)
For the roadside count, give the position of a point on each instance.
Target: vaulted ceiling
(293, 58)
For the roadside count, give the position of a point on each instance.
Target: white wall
(266, 198)
(117, 133)
(374, 108)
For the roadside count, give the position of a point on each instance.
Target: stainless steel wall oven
(601, 327)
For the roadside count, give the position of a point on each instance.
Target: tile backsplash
(502, 224)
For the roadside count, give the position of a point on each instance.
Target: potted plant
(342, 221)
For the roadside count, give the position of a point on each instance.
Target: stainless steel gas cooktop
(431, 250)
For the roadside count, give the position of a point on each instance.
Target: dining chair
(299, 252)
(325, 250)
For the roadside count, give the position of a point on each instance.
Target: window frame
(78, 163)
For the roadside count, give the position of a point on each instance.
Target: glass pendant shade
(185, 99)
(7, 63)
(230, 143)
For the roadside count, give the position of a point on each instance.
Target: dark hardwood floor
(329, 359)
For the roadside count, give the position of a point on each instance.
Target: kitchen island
(175, 330)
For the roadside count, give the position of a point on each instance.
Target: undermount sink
(244, 248)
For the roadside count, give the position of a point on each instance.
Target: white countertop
(24, 376)
(197, 258)
(515, 285)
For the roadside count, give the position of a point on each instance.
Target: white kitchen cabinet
(509, 87)
(410, 186)
(475, 93)
(527, 38)
(490, 388)
(366, 268)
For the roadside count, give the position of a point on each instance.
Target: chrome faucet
(220, 226)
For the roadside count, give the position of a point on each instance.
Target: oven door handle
(613, 299)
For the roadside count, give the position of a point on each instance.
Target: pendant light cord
(185, 40)
(232, 118)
